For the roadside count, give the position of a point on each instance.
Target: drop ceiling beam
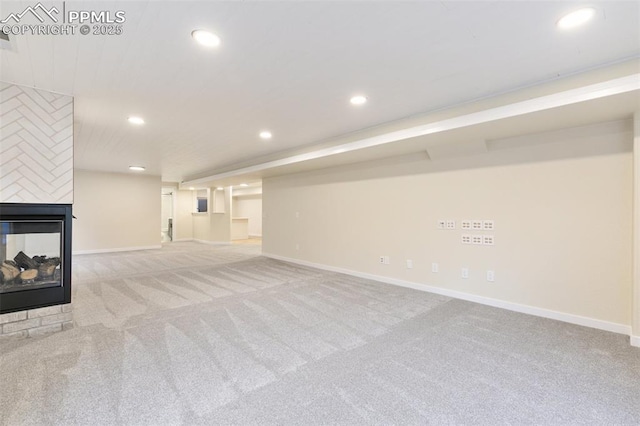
(586, 93)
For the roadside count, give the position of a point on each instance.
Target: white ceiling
(291, 67)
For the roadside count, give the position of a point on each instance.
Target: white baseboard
(213, 243)
(179, 240)
(117, 249)
(516, 307)
(635, 341)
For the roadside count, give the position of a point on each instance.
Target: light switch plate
(464, 273)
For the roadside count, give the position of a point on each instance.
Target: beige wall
(115, 211)
(561, 202)
(183, 221)
(250, 206)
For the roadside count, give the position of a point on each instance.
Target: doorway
(246, 222)
(166, 223)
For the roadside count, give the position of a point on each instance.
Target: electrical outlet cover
(476, 239)
(476, 224)
(442, 224)
(465, 224)
(451, 224)
(488, 225)
(488, 240)
(466, 239)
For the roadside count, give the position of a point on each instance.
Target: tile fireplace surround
(36, 167)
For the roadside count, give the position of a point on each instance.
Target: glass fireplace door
(30, 254)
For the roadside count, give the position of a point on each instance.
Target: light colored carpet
(196, 334)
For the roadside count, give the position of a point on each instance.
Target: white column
(635, 304)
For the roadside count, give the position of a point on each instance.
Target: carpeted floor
(197, 334)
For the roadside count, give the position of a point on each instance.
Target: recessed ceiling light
(244, 184)
(191, 188)
(205, 38)
(576, 18)
(266, 134)
(137, 168)
(135, 120)
(358, 100)
(219, 188)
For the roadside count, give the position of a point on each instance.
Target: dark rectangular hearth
(35, 255)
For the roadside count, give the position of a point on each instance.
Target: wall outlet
(488, 225)
(491, 276)
(384, 260)
(464, 273)
(409, 264)
(476, 239)
(466, 239)
(451, 224)
(442, 224)
(434, 267)
(488, 240)
(465, 224)
(476, 225)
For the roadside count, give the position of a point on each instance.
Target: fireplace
(35, 256)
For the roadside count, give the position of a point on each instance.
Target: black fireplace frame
(40, 297)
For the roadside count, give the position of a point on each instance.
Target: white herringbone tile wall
(36, 146)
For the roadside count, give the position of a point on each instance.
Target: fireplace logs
(24, 261)
(28, 276)
(26, 270)
(9, 271)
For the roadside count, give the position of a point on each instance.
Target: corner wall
(183, 220)
(635, 333)
(561, 202)
(115, 211)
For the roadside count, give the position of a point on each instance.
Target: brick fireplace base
(36, 322)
